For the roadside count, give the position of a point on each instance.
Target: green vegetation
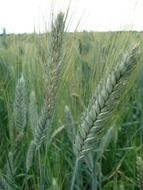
(71, 110)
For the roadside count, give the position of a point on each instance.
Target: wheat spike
(42, 127)
(139, 163)
(52, 73)
(19, 105)
(102, 104)
(70, 127)
(53, 66)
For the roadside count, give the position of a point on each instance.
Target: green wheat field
(71, 110)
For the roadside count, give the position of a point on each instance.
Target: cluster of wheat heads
(21, 157)
(92, 126)
(104, 101)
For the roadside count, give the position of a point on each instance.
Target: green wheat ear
(52, 71)
(101, 106)
(42, 127)
(70, 127)
(104, 101)
(51, 75)
(39, 134)
(139, 163)
(54, 63)
(19, 105)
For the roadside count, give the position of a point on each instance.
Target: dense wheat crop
(71, 110)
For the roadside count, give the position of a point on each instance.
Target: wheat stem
(74, 174)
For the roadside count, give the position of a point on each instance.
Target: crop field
(71, 110)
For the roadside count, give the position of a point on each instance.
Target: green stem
(40, 169)
(94, 179)
(74, 174)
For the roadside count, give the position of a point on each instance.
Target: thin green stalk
(40, 172)
(45, 163)
(94, 178)
(74, 174)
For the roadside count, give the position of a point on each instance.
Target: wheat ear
(52, 72)
(51, 75)
(101, 106)
(39, 134)
(42, 127)
(53, 66)
(19, 105)
(70, 127)
(139, 163)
